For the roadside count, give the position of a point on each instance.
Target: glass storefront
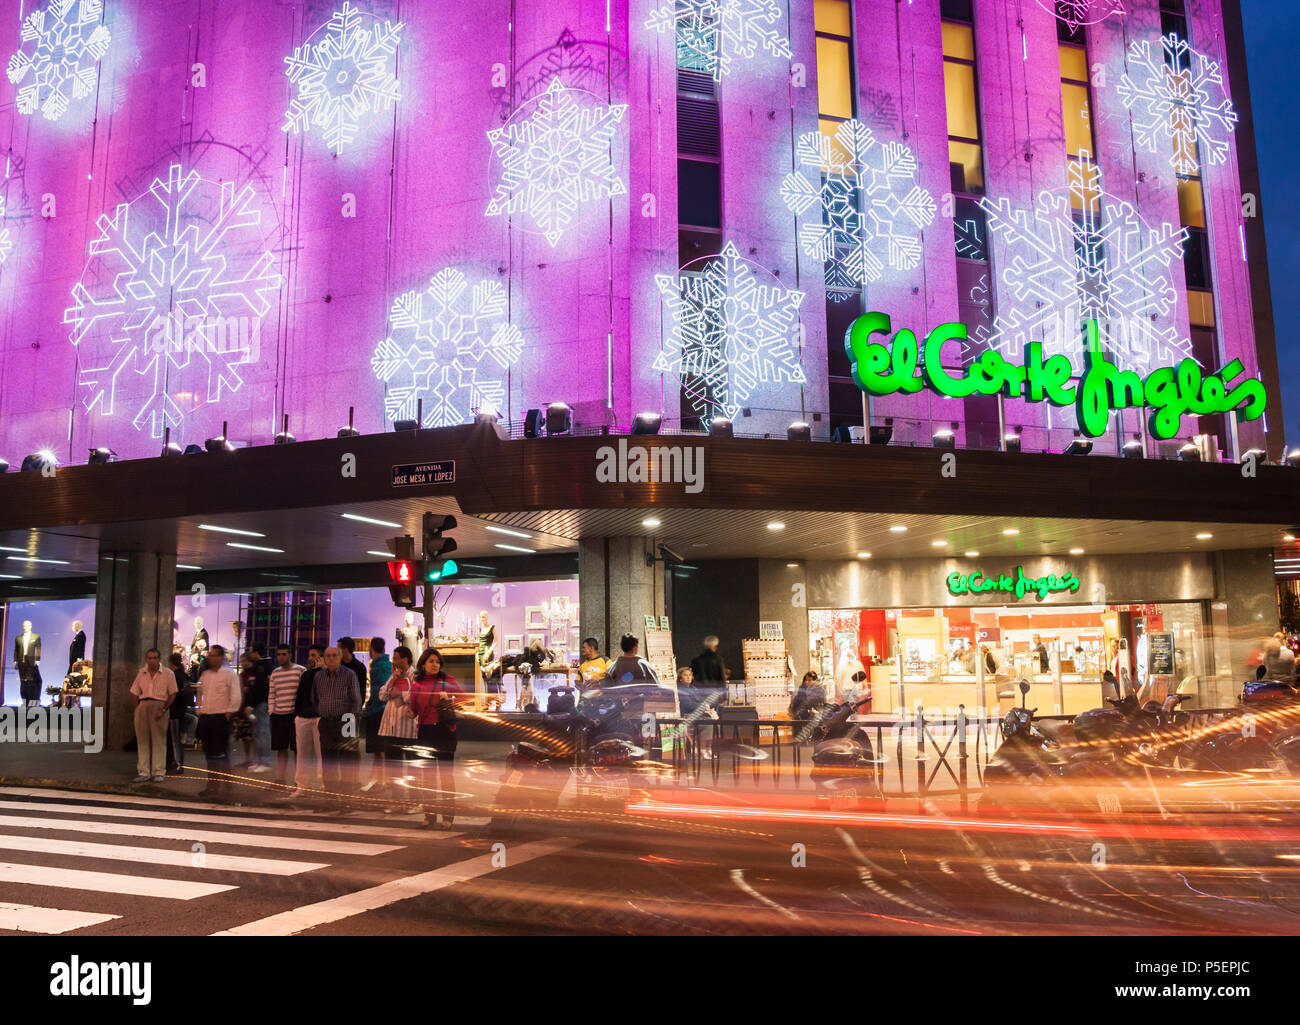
(946, 657)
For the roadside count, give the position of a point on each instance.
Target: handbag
(446, 705)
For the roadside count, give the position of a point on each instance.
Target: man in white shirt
(220, 698)
(155, 690)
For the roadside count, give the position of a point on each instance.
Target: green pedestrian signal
(441, 571)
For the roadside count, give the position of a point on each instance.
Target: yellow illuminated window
(1200, 308)
(839, 155)
(958, 41)
(1078, 119)
(967, 154)
(833, 16)
(959, 89)
(1191, 202)
(834, 78)
(1074, 63)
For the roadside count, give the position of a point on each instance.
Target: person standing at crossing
(282, 700)
(221, 696)
(155, 690)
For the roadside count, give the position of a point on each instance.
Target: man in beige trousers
(155, 690)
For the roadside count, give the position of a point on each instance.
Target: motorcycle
(1263, 734)
(844, 768)
(1033, 755)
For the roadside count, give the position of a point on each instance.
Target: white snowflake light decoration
(730, 334)
(1108, 265)
(172, 296)
(711, 34)
(556, 160)
(347, 76)
(70, 42)
(869, 210)
(1178, 95)
(1083, 12)
(449, 345)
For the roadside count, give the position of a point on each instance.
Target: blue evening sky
(1271, 27)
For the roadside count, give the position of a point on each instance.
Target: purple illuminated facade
(259, 279)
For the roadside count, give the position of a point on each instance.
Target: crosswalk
(117, 853)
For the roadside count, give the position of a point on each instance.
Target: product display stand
(659, 653)
(766, 676)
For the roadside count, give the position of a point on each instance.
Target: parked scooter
(1264, 734)
(844, 765)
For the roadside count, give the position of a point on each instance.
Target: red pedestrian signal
(402, 572)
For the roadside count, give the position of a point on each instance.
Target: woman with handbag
(433, 706)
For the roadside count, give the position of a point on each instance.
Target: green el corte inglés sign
(1102, 388)
(1018, 584)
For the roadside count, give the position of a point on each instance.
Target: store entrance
(946, 657)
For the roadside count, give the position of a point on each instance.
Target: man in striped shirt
(284, 694)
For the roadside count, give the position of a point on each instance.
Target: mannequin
(77, 649)
(850, 674)
(409, 635)
(27, 658)
(199, 645)
(487, 647)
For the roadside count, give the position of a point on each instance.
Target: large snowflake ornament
(1107, 265)
(450, 346)
(172, 298)
(556, 160)
(1178, 95)
(350, 74)
(711, 34)
(730, 334)
(63, 65)
(1083, 12)
(868, 209)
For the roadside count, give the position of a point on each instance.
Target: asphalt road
(672, 863)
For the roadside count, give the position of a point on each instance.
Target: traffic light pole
(428, 616)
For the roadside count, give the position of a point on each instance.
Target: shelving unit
(296, 618)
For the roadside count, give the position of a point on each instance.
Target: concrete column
(617, 590)
(134, 606)
(1244, 581)
(782, 594)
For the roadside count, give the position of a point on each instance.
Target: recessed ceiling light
(20, 551)
(1076, 551)
(181, 565)
(367, 519)
(864, 555)
(972, 554)
(511, 533)
(386, 555)
(1204, 536)
(9, 576)
(230, 530)
(899, 529)
(516, 548)
(1011, 532)
(32, 558)
(791, 565)
(938, 544)
(1288, 536)
(776, 525)
(650, 521)
(254, 548)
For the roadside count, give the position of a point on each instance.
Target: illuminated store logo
(1018, 584)
(1169, 392)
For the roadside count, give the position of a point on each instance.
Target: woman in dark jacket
(433, 706)
(810, 696)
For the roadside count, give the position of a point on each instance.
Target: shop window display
(975, 656)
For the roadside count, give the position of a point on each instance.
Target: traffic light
(402, 571)
(436, 547)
